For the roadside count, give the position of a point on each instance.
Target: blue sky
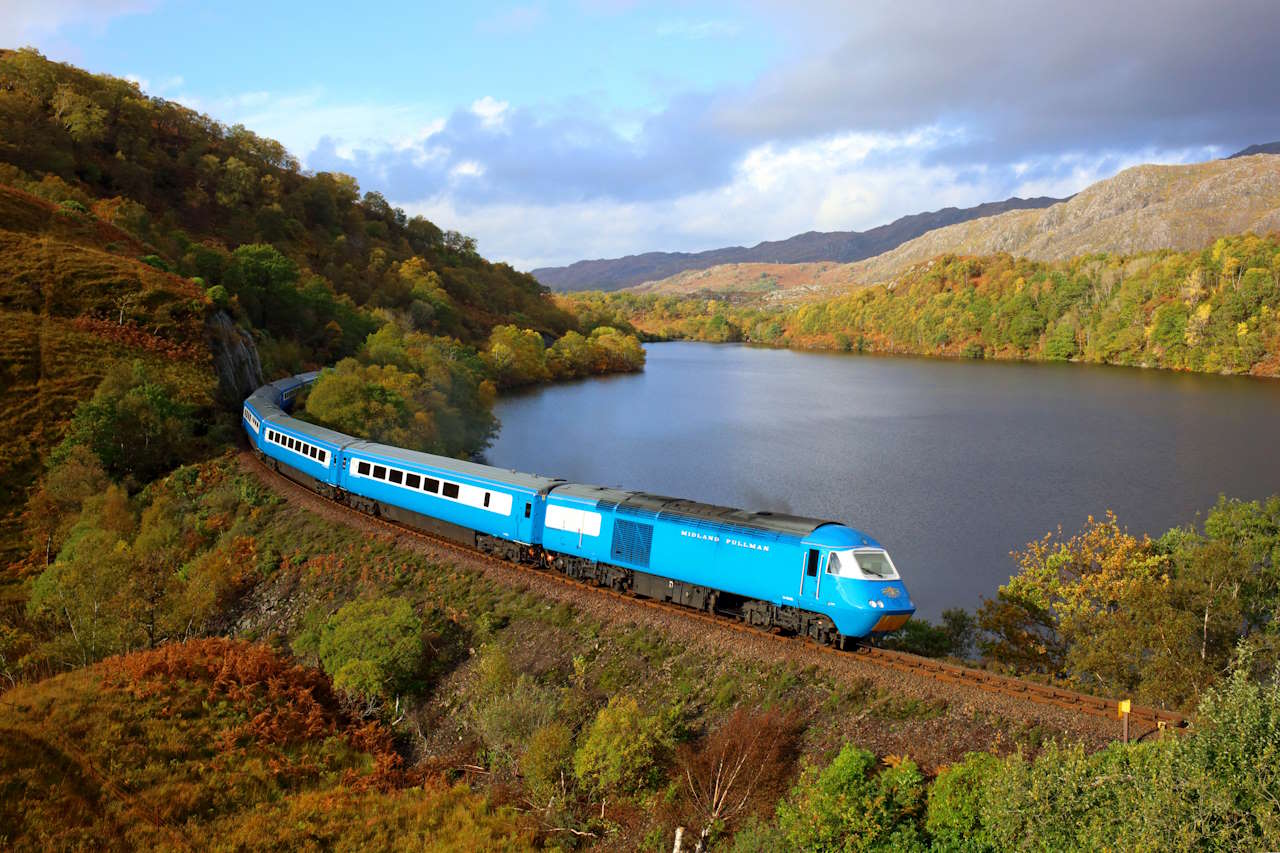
(554, 131)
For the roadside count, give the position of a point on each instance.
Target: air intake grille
(631, 542)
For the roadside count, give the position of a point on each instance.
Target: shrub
(848, 806)
(622, 750)
(737, 769)
(954, 819)
(547, 759)
(371, 648)
(218, 295)
(508, 717)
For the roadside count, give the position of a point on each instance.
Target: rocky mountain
(1141, 209)
(812, 246)
(1265, 148)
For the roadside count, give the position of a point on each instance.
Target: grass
(61, 294)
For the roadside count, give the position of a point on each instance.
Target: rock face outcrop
(1139, 210)
(235, 359)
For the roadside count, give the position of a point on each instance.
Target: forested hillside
(133, 229)
(1215, 310)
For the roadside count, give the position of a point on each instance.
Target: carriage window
(412, 480)
(527, 508)
(486, 499)
(450, 490)
(315, 453)
(811, 568)
(432, 486)
(363, 468)
(380, 472)
(395, 476)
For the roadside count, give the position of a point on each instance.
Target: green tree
(373, 648)
(137, 426)
(85, 597)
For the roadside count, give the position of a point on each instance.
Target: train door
(529, 510)
(810, 577)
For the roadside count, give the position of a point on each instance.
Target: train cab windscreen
(871, 564)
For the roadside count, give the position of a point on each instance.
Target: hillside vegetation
(1216, 309)
(218, 745)
(133, 229)
(189, 660)
(425, 704)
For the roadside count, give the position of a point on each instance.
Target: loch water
(950, 464)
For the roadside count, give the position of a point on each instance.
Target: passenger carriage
(450, 497)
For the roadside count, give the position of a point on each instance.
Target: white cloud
(844, 182)
(28, 21)
(467, 169)
(490, 111)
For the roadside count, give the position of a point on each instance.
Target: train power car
(808, 576)
(814, 577)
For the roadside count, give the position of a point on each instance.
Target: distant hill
(812, 246)
(1265, 148)
(1141, 209)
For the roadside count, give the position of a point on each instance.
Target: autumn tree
(516, 356)
(736, 769)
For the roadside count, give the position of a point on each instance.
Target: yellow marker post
(1122, 711)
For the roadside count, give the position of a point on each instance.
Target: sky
(557, 131)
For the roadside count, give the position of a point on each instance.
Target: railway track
(1142, 717)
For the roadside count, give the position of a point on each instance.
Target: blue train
(806, 576)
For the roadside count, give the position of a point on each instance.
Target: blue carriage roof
(532, 482)
(643, 504)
